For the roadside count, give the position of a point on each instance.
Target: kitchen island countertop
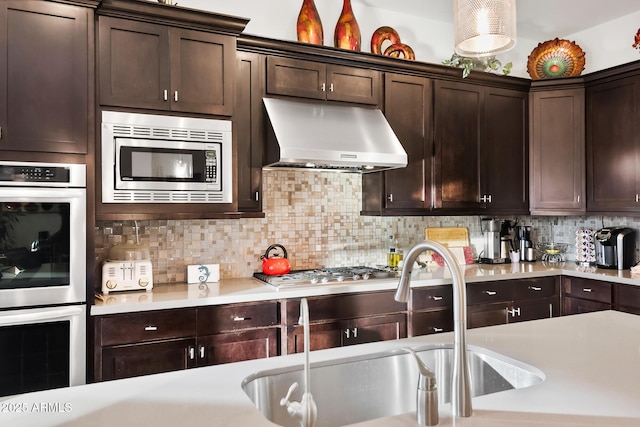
(589, 361)
(241, 290)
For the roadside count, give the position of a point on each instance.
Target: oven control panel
(33, 173)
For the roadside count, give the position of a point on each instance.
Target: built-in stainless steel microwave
(165, 159)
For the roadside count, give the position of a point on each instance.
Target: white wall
(605, 45)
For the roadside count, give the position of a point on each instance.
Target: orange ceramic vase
(347, 33)
(309, 26)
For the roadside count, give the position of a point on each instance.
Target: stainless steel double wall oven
(42, 276)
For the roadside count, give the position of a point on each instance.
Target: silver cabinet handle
(535, 288)
(436, 329)
(150, 328)
(175, 96)
(238, 319)
(166, 95)
(201, 352)
(257, 196)
(637, 198)
(355, 332)
(192, 353)
(331, 87)
(587, 290)
(390, 197)
(348, 332)
(436, 298)
(490, 293)
(323, 87)
(514, 312)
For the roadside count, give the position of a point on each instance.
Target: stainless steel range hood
(329, 136)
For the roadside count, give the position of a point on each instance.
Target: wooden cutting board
(448, 236)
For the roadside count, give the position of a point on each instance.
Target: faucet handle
(304, 411)
(427, 393)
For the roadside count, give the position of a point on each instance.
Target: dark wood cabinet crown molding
(143, 10)
(84, 3)
(331, 55)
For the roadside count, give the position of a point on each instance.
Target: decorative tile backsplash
(316, 216)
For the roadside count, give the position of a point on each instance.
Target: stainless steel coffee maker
(493, 252)
(524, 244)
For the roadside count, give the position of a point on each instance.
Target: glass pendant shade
(484, 27)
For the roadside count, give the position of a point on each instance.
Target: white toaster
(126, 276)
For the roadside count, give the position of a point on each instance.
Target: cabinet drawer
(488, 292)
(212, 320)
(627, 296)
(149, 326)
(432, 297)
(593, 290)
(524, 289)
(431, 322)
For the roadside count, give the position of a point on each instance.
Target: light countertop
(227, 291)
(590, 362)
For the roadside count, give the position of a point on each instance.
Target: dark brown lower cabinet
(585, 295)
(143, 359)
(133, 344)
(348, 332)
(341, 320)
(627, 298)
(237, 346)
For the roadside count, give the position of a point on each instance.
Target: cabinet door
(295, 77)
(202, 69)
(237, 346)
(134, 64)
(482, 315)
(557, 152)
(457, 124)
(248, 122)
(612, 146)
(44, 77)
(543, 308)
(431, 322)
(144, 359)
(577, 306)
(504, 157)
(321, 336)
(627, 298)
(377, 328)
(357, 85)
(407, 108)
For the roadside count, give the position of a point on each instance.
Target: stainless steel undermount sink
(357, 389)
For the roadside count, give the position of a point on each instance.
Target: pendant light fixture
(484, 27)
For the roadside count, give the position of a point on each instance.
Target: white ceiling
(537, 19)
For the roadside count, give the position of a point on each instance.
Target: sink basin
(357, 389)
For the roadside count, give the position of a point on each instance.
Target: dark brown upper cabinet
(408, 104)
(320, 81)
(159, 67)
(248, 131)
(557, 151)
(613, 145)
(480, 159)
(45, 76)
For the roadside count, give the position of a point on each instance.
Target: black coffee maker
(615, 247)
(523, 243)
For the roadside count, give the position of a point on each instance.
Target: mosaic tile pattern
(315, 215)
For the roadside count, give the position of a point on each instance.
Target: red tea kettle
(274, 266)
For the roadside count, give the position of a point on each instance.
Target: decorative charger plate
(555, 58)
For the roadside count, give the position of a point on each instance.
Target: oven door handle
(49, 315)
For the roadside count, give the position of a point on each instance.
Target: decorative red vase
(309, 26)
(347, 33)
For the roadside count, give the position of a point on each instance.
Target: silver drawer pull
(436, 329)
(202, 352)
(587, 290)
(165, 95)
(490, 293)
(150, 328)
(535, 288)
(238, 319)
(436, 298)
(192, 353)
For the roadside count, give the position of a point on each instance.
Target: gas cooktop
(320, 276)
